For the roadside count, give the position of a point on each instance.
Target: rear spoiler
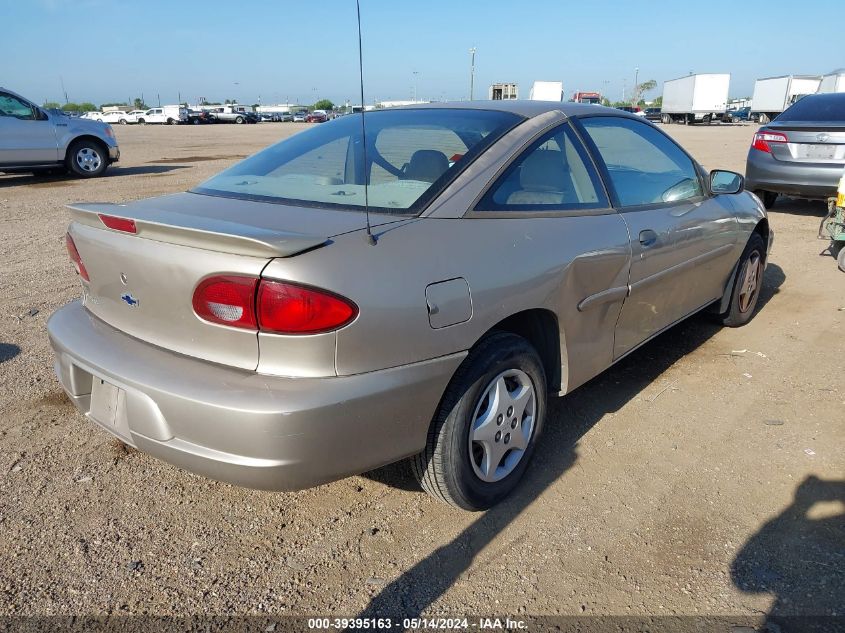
(200, 232)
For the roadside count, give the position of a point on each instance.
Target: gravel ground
(704, 474)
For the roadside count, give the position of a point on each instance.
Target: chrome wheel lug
(498, 436)
(500, 419)
(510, 411)
(507, 437)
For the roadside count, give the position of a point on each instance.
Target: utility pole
(415, 84)
(471, 72)
(635, 94)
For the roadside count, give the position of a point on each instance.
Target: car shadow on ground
(569, 419)
(8, 351)
(57, 180)
(795, 206)
(799, 557)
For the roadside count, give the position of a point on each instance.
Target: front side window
(553, 174)
(410, 156)
(645, 167)
(13, 107)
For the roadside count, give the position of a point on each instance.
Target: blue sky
(109, 50)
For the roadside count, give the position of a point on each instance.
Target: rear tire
(768, 197)
(476, 453)
(239, 120)
(87, 158)
(747, 283)
(141, 122)
(763, 118)
(122, 121)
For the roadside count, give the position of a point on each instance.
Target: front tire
(239, 120)
(87, 158)
(746, 286)
(486, 427)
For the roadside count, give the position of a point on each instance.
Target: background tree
(138, 104)
(640, 89)
(658, 102)
(52, 105)
(87, 106)
(324, 104)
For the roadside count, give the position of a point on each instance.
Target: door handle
(648, 237)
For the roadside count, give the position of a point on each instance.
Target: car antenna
(371, 239)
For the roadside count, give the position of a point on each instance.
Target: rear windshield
(411, 155)
(830, 107)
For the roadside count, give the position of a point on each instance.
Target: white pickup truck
(170, 114)
(36, 140)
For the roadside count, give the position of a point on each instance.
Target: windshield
(411, 156)
(829, 107)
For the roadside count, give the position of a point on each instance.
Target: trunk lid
(143, 283)
(809, 142)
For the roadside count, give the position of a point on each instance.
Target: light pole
(415, 84)
(471, 72)
(635, 93)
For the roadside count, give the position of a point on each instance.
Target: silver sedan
(413, 288)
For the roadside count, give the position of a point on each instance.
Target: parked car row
(175, 115)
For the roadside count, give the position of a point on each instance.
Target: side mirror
(722, 181)
(41, 115)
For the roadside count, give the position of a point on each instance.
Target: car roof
(528, 109)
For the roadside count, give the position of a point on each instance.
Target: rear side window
(645, 167)
(554, 174)
(830, 107)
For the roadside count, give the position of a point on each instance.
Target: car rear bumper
(802, 180)
(238, 426)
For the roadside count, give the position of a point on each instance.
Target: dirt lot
(703, 475)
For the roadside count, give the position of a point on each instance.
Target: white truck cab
(170, 114)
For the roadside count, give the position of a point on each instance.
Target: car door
(26, 135)
(682, 238)
(552, 197)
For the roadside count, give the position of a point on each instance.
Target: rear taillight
(75, 258)
(227, 300)
(118, 224)
(286, 308)
(763, 138)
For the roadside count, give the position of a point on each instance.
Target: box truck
(546, 91)
(833, 81)
(773, 95)
(698, 98)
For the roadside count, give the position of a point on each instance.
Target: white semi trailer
(698, 98)
(546, 91)
(833, 81)
(773, 95)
